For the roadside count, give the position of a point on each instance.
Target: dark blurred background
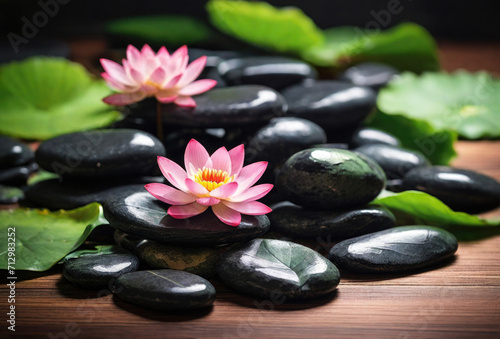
(446, 19)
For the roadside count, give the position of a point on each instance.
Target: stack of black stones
(325, 165)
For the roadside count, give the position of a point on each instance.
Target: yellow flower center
(211, 178)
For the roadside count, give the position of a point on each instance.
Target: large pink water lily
(145, 74)
(219, 181)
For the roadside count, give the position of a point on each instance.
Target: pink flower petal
(147, 52)
(193, 71)
(253, 193)
(208, 201)
(237, 156)
(158, 76)
(163, 56)
(116, 71)
(165, 99)
(178, 60)
(185, 101)
(249, 176)
(169, 195)
(134, 57)
(198, 87)
(172, 82)
(113, 84)
(227, 215)
(186, 211)
(248, 207)
(196, 155)
(148, 89)
(196, 188)
(121, 99)
(224, 191)
(174, 173)
(221, 160)
(132, 73)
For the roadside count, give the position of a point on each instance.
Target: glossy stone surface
(367, 136)
(281, 138)
(10, 195)
(226, 107)
(127, 241)
(55, 195)
(295, 221)
(371, 74)
(101, 154)
(14, 153)
(270, 71)
(269, 268)
(143, 215)
(462, 190)
(165, 290)
(397, 249)
(329, 178)
(98, 271)
(17, 176)
(330, 104)
(214, 57)
(331, 145)
(395, 161)
(194, 259)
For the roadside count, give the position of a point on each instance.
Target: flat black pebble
(101, 154)
(462, 190)
(371, 74)
(165, 290)
(274, 72)
(17, 176)
(295, 221)
(143, 215)
(281, 138)
(330, 104)
(127, 241)
(278, 269)
(14, 153)
(97, 271)
(395, 161)
(366, 136)
(10, 195)
(397, 249)
(329, 178)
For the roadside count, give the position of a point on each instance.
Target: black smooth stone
(274, 72)
(214, 57)
(17, 176)
(395, 161)
(397, 249)
(101, 154)
(14, 153)
(279, 269)
(198, 260)
(143, 215)
(281, 138)
(54, 194)
(98, 271)
(295, 221)
(331, 145)
(370, 74)
(329, 178)
(127, 241)
(10, 195)
(462, 190)
(367, 136)
(165, 290)
(330, 104)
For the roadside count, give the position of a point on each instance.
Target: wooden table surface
(458, 300)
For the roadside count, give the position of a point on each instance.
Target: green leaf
(162, 29)
(259, 23)
(41, 98)
(41, 175)
(418, 135)
(99, 250)
(421, 208)
(407, 46)
(468, 103)
(42, 238)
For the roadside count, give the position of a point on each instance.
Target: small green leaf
(99, 250)
(407, 46)
(259, 23)
(418, 135)
(41, 98)
(468, 103)
(41, 175)
(162, 29)
(42, 238)
(421, 208)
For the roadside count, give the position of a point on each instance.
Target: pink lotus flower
(219, 181)
(145, 74)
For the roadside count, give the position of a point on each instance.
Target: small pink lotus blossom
(219, 181)
(145, 74)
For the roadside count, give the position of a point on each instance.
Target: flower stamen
(211, 178)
